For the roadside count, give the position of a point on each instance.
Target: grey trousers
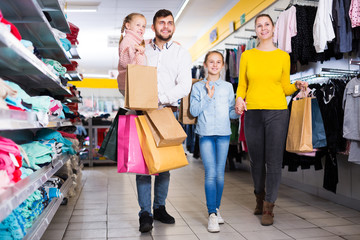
(265, 133)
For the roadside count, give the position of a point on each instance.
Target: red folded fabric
(15, 108)
(72, 37)
(71, 67)
(13, 29)
(67, 135)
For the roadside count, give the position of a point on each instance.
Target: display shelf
(12, 120)
(42, 222)
(58, 19)
(19, 65)
(74, 53)
(16, 120)
(91, 129)
(32, 24)
(73, 99)
(13, 196)
(73, 76)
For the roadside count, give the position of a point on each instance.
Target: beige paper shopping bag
(141, 92)
(185, 116)
(166, 130)
(158, 159)
(299, 138)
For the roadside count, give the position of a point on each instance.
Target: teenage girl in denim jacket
(212, 100)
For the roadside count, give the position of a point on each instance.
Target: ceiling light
(80, 10)
(181, 10)
(82, 6)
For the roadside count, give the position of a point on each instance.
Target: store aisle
(107, 209)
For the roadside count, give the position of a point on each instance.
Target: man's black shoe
(146, 222)
(161, 215)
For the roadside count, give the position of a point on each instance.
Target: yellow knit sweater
(264, 79)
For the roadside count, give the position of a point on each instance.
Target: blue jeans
(214, 150)
(143, 185)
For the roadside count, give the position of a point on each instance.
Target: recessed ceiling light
(82, 6)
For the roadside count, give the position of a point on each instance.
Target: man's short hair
(162, 13)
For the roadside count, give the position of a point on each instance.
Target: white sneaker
(213, 224)
(220, 219)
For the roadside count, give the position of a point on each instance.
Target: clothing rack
(249, 30)
(355, 62)
(335, 70)
(324, 76)
(232, 44)
(239, 37)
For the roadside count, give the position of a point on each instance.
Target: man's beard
(158, 35)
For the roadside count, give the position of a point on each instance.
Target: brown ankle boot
(267, 218)
(259, 203)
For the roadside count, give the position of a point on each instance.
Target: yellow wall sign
(248, 8)
(96, 83)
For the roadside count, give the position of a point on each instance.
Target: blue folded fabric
(66, 44)
(47, 134)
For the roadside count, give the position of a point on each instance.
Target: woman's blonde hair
(128, 19)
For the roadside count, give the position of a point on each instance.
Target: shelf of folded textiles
(73, 76)
(14, 195)
(32, 24)
(74, 53)
(43, 221)
(20, 65)
(58, 19)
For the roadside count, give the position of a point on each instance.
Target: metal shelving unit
(21, 66)
(43, 221)
(74, 53)
(11, 119)
(13, 196)
(92, 132)
(56, 13)
(32, 24)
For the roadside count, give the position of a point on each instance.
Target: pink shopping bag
(130, 157)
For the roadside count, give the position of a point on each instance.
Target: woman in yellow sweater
(264, 82)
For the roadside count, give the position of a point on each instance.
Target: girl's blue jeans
(214, 150)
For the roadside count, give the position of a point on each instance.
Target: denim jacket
(213, 113)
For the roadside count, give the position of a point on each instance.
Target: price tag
(356, 90)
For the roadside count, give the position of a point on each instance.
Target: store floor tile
(106, 208)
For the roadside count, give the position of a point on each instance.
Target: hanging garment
(351, 129)
(302, 44)
(331, 177)
(330, 97)
(351, 106)
(354, 13)
(342, 25)
(323, 29)
(285, 29)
